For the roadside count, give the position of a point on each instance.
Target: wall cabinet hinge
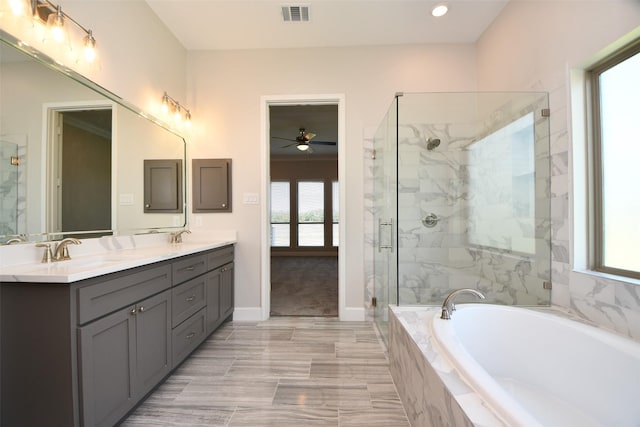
(374, 302)
(546, 284)
(545, 112)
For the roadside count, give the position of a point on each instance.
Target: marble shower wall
(12, 186)
(492, 234)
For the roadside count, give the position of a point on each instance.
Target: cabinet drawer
(188, 268)
(220, 257)
(187, 336)
(187, 299)
(105, 297)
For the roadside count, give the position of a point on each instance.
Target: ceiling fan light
(440, 10)
(303, 146)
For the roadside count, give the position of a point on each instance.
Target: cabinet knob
(133, 311)
(147, 205)
(141, 309)
(224, 205)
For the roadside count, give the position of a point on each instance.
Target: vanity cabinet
(122, 357)
(86, 353)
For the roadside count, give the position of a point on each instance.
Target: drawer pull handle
(191, 268)
(133, 311)
(191, 298)
(191, 335)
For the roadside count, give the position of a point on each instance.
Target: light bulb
(89, 47)
(177, 115)
(55, 23)
(187, 119)
(18, 7)
(165, 103)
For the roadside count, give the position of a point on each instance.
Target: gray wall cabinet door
(163, 186)
(108, 368)
(153, 341)
(211, 185)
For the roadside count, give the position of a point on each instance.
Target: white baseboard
(247, 314)
(353, 314)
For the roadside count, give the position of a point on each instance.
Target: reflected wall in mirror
(72, 153)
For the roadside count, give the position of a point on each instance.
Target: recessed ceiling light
(440, 10)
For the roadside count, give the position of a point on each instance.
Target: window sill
(608, 276)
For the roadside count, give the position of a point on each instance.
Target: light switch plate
(250, 198)
(126, 199)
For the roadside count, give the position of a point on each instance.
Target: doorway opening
(303, 234)
(81, 147)
(304, 216)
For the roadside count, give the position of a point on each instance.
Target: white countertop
(116, 255)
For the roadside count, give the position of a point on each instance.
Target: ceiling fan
(304, 140)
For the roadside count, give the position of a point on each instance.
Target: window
(305, 215)
(310, 213)
(615, 85)
(280, 214)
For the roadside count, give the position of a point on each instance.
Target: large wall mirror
(72, 154)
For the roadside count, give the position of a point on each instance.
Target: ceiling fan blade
(286, 139)
(323, 142)
(309, 136)
(290, 145)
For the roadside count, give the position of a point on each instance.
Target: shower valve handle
(430, 220)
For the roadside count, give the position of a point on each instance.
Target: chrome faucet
(177, 236)
(61, 251)
(448, 306)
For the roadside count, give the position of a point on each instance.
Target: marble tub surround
(433, 393)
(285, 372)
(104, 255)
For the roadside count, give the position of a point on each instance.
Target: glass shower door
(385, 219)
(9, 162)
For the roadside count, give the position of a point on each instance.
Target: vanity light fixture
(57, 24)
(439, 10)
(170, 105)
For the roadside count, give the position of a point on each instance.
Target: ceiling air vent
(295, 13)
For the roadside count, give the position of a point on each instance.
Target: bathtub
(537, 369)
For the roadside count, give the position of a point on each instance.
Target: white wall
(225, 90)
(533, 46)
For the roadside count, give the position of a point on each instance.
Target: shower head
(432, 143)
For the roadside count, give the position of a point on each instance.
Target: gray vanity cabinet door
(153, 341)
(214, 283)
(108, 368)
(226, 290)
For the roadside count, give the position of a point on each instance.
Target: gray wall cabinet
(211, 185)
(163, 186)
(86, 353)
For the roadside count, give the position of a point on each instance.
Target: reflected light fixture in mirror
(170, 105)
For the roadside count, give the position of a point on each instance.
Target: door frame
(265, 157)
(51, 128)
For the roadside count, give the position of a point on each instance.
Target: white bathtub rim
(504, 406)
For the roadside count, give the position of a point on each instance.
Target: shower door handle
(385, 224)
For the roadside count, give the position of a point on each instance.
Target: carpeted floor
(304, 286)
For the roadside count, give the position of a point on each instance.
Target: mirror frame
(47, 61)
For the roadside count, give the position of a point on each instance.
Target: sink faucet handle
(177, 236)
(62, 251)
(47, 257)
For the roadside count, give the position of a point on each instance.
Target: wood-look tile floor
(286, 371)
